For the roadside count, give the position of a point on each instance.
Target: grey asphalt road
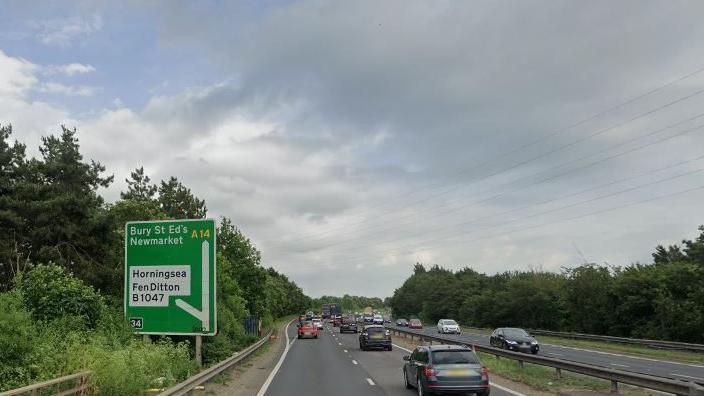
(660, 368)
(334, 365)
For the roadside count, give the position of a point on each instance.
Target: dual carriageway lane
(643, 365)
(333, 364)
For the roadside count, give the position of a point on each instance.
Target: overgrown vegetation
(61, 273)
(662, 300)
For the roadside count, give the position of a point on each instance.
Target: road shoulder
(248, 377)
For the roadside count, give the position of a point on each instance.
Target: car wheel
(534, 352)
(484, 393)
(390, 348)
(405, 380)
(315, 336)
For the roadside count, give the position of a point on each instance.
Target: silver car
(448, 326)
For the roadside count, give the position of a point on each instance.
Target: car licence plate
(377, 336)
(458, 373)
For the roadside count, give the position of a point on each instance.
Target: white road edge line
(354, 361)
(370, 382)
(513, 392)
(270, 378)
(402, 348)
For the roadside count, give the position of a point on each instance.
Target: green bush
(17, 337)
(34, 351)
(133, 367)
(50, 292)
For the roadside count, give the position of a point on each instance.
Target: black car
(401, 323)
(514, 339)
(445, 368)
(349, 325)
(375, 337)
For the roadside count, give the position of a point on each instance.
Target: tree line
(57, 230)
(659, 300)
(348, 303)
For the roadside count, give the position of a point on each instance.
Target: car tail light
(429, 371)
(485, 374)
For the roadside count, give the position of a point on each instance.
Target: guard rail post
(614, 386)
(558, 373)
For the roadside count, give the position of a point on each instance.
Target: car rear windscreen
(454, 357)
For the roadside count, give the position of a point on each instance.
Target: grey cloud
(368, 123)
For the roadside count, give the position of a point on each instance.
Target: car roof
(447, 348)
(375, 326)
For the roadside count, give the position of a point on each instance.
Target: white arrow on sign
(204, 314)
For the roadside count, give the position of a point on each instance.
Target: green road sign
(170, 277)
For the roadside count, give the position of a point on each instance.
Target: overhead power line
(504, 233)
(572, 205)
(551, 178)
(550, 135)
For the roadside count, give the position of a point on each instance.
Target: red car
(415, 324)
(306, 328)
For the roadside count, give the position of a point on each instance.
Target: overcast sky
(350, 140)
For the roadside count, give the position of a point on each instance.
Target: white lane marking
(513, 392)
(687, 376)
(554, 354)
(344, 350)
(626, 356)
(402, 348)
(271, 376)
(370, 382)
(620, 365)
(354, 361)
(339, 343)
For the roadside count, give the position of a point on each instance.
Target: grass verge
(540, 377)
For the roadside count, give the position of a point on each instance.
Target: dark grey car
(445, 369)
(514, 339)
(375, 337)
